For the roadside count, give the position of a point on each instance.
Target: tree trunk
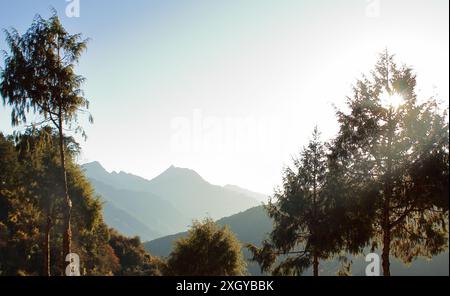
(48, 226)
(386, 232)
(386, 252)
(67, 236)
(315, 259)
(316, 265)
(386, 224)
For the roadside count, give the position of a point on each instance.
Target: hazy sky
(232, 89)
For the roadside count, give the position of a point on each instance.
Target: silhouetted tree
(397, 149)
(39, 76)
(306, 225)
(207, 251)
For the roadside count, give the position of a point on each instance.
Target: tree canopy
(207, 251)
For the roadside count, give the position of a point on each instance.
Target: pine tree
(304, 216)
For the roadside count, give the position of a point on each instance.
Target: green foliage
(133, 259)
(19, 216)
(39, 72)
(29, 194)
(207, 251)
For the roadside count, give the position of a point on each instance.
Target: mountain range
(166, 204)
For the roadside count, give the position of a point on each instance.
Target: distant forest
(381, 183)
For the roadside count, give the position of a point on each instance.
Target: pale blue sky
(232, 88)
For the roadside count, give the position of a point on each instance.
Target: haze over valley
(166, 204)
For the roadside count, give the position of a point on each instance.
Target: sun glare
(391, 100)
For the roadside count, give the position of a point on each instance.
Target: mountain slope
(155, 213)
(195, 196)
(126, 224)
(255, 195)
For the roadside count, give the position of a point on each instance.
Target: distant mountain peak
(122, 173)
(94, 166)
(174, 172)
